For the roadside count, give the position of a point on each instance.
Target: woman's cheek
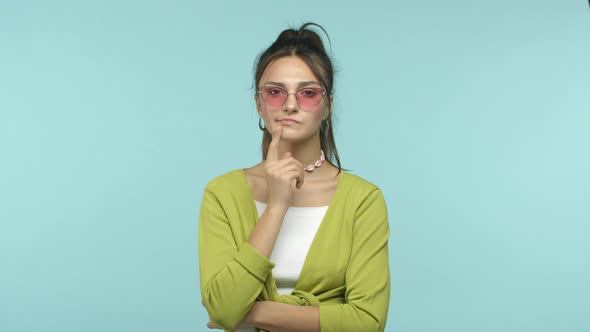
(316, 112)
(267, 118)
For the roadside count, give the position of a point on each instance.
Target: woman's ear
(258, 108)
(328, 108)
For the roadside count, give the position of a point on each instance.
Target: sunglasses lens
(309, 97)
(274, 97)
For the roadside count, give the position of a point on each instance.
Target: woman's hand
(214, 326)
(280, 173)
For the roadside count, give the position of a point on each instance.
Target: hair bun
(302, 37)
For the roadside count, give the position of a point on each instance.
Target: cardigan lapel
(303, 283)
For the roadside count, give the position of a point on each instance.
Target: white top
(297, 232)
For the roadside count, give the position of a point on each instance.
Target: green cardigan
(346, 271)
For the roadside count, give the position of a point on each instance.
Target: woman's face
(305, 105)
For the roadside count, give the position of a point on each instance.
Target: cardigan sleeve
(231, 275)
(367, 275)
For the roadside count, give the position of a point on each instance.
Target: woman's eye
(275, 92)
(308, 93)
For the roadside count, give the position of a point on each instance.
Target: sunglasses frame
(259, 92)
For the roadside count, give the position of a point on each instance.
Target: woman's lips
(287, 121)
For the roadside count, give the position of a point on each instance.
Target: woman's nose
(291, 103)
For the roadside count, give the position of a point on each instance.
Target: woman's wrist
(253, 317)
(276, 209)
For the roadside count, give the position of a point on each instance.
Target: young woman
(294, 243)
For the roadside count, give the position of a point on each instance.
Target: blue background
(472, 116)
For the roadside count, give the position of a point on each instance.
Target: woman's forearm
(281, 317)
(265, 233)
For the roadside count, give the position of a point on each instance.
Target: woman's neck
(307, 154)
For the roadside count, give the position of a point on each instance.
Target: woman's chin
(294, 138)
(290, 138)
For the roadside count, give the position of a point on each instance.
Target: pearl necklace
(316, 164)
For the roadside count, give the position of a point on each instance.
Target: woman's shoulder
(358, 183)
(361, 195)
(225, 180)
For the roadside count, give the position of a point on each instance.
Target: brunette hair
(308, 46)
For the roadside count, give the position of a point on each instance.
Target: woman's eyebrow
(275, 83)
(305, 83)
(300, 84)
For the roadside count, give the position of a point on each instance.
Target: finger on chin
(273, 147)
(278, 130)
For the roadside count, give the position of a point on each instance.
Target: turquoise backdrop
(472, 116)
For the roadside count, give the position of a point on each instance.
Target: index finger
(273, 147)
